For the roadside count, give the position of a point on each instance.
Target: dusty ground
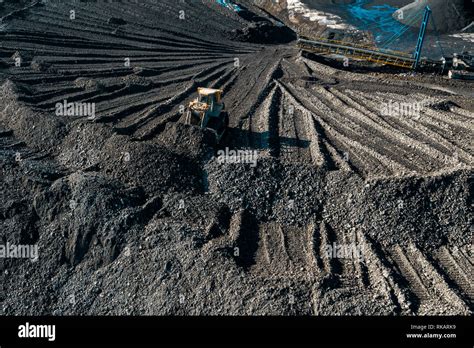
(134, 214)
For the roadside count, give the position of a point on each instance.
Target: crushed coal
(264, 32)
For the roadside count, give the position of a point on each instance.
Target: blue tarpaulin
(229, 5)
(376, 19)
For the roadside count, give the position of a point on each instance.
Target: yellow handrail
(396, 61)
(345, 43)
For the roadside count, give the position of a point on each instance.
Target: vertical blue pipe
(421, 37)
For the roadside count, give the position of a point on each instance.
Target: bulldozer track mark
(417, 129)
(316, 139)
(349, 270)
(382, 279)
(271, 253)
(438, 283)
(336, 161)
(269, 122)
(18, 149)
(408, 126)
(390, 134)
(166, 107)
(227, 85)
(320, 149)
(324, 114)
(248, 120)
(464, 259)
(313, 249)
(246, 240)
(455, 272)
(328, 237)
(290, 252)
(426, 282)
(247, 114)
(295, 143)
(261, 68)
(410, 274)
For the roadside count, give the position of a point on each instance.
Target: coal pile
(135, 213)
(264, 33)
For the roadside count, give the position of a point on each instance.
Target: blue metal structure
(421, 36)
(379, 55)
(228, 4)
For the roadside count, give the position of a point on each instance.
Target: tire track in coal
(268, 119)
(167, 112)
(324, 114)
(426, 282)
(382, 278)
(422, 128)
(419, 158)
(244, 113)
(453, 269)
(132, 124)
(318, 149)
(386, 140)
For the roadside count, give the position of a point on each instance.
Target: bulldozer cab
(209, 96)
(208, 111)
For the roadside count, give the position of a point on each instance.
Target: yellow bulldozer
(207, 111)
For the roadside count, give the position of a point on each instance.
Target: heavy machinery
(208, 111)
